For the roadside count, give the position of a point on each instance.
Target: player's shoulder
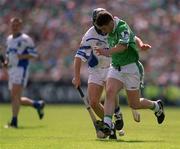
(120, 24)
(91, 32)
(118, 20)
(91, 35)
(9, 37)
(26, 36)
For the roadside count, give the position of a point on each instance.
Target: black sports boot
(106, 129)
(119, 123)
(160, 113)
(40, 109)
(113, 133)
(13, 123)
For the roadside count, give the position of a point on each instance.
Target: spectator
(58, 25)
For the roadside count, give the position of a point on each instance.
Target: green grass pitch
(70, 127)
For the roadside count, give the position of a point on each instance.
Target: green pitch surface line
(70, 127)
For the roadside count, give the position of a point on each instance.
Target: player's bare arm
(117, 48)
(77, 67)
(141, 45)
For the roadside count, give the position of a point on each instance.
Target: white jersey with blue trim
(90, 41)
(20, 45)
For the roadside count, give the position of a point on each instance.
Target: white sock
(112, 132)
(156, 106)
(108, 120)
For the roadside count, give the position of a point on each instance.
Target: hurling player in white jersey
(98, 69)
(20, 49)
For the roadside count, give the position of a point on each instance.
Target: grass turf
(70, 127)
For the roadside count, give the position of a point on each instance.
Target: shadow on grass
(130, 141)
(31, 127)
(139, 141)
(23, 127)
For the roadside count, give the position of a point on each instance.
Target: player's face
(107, 28)
(16, 26)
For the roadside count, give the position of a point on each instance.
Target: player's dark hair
(103, 18)
(94, 16)
(95, 13)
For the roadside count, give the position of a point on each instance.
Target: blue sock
(36, 104)
(14, 121)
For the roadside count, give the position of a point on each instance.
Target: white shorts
(98, 75)
(129, 74)
(17, 75)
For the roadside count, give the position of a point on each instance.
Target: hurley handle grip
(80, 91)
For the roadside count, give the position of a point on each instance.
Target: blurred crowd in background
(57, 27)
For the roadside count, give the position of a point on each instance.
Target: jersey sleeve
(31, 49)
(84, 50)
(124, 34)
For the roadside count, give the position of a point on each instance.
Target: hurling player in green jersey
(125, 68)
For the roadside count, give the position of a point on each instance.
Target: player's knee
(15, 101)
(15, 97)
(110, 93)
(94, 103)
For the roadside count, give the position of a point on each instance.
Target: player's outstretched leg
(39, 106)
(160, 112)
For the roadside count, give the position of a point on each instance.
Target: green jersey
(122, 34)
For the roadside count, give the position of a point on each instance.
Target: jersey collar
(17, 35)
(116, 20)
